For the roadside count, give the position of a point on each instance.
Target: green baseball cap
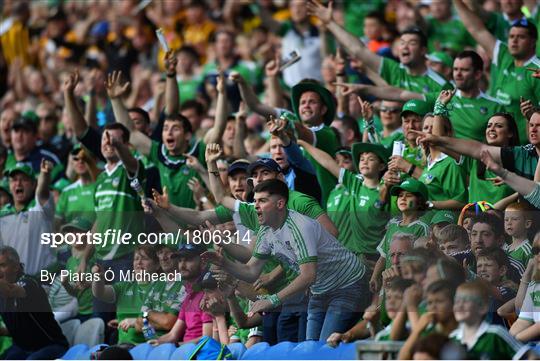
(78, 223)
(416, 106)
(444, 216)
(380, 150)
(411, 185)
(314, 86)
(22, 168)
(441, 57)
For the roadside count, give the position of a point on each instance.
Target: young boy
(517, 222)
(439, 318)
(453, 239)
(492, 266)
(483, 341)
(412, 195)
(393, 301)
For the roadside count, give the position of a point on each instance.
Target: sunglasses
(390, 110)
(521, 22)
(535, 250)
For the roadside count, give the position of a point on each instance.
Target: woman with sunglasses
(77, 199)
(390, 120)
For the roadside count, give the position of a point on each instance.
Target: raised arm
(386, 92)
(248, 272)
(475, 26)
(172, 94)
(273, 89)
(350, 42)
(213, 152)
(70, 102)
(222, 110)
(322, 157)
(471, 148)
(267, 19)
(99, 289)
(239, 149)
(116, 89)
(250, 98)
(44, 181)
(130, 162)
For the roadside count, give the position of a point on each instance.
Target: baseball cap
(419, 107)
(267, 163)
(78, 223)
(380, 150)
(411, 185)
(238, 165)
(444, 216)
(22, 168)
(25, 122)
(189, 250)
(441, 57)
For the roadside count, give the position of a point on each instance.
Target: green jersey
(445, 179)
(448, 35)
(175, 174)
(338, 208)
(84, 297)
(76, 200)
(522, 253)
(520, 160)
(397, 75)
(417, 228)
(165, 297)
(303, 240)
(211, 68)
(509, 83)
(130, 297)
(187, 89)
(491, 342)
(368, 217)
(469, 116)
(118, 207)
(481, 189)
(414, 155)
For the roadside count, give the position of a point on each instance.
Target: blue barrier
(237, 349)
(74, 352)
(256, 351)
(141, 351)
(183, 352)
(161, 352)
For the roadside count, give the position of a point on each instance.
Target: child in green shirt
(517, 222)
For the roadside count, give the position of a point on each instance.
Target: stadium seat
(345, 351)
(74, 352)
(69, 329)
(141, 351)
(88, 353)
(255, 352)
(161, 352)
(307, 350)
(183, 352)
(281, 351)
(326, 352)
(91, 332)
(237, 349)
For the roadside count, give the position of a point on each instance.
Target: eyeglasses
(390, 110)
(78, 159)
(535, 250)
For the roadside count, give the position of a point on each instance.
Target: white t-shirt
(530, 310)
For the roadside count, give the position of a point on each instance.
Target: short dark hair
(526, 24)
(443, 286)
(377, 15)
(492, 220)
(476, 60)
(399, 284)
(183, 120)
(432, 344)
(142, 112)
(495, 254)
(418, 32)
(119, 126)
(193, 104)
(191, 51)
(449, 269)
(349, 122)
(273, 187)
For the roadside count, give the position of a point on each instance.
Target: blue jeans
(337, 310)
(292, 321)
(50, 352)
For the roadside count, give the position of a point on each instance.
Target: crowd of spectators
(331, 171)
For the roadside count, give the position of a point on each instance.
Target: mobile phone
(293, 57)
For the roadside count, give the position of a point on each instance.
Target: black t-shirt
(30, 320)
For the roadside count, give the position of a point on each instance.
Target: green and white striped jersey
(302, 240)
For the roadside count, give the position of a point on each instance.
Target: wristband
(203, 199)
(171, 75)
(411, 170)
(274, 299)
(440, 109)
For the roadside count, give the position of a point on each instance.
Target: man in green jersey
(410, 73)
(314, 109)
(510, 79)
(334, 275)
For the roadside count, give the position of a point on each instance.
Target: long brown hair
(90, 161)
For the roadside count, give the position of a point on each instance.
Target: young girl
(368, 216)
